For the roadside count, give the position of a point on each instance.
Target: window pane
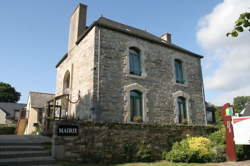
(134, 62)
(131, 108)
(136, 106)
(182, 109)
(131, 65)
(209, 116)
(179, 72)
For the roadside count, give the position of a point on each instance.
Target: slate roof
(9, 108)
(116, 26)
(39, 99)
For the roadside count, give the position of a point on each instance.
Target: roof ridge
(42, 93)
(128, 26)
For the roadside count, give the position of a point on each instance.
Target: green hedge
(7, 130)
(191, 149)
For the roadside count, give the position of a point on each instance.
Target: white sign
(241, 128)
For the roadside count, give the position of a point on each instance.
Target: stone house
(117, 73)
(35, 110)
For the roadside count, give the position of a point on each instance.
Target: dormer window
(134, 61)
(179, 72)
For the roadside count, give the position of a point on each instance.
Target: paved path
(240, 163)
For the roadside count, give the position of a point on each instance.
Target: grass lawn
(161, 163)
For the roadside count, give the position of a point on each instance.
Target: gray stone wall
(118, 142)
(80, 64)
(157, 80)
(99, 70)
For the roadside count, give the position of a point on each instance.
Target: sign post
(226, 113)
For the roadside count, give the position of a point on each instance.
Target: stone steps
(23, 144)
(21, 148)
(27, 161)
(25, 154)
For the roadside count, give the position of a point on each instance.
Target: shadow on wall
(84, 108)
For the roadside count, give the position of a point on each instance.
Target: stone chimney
(166, 37)
(77, 24)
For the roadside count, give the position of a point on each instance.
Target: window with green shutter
(182, 111)
(179, 72)
(136, 106)
(134, 61)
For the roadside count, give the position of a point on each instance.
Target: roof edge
(128, 33)
(42, 93)
(152, 40)
(62, 59)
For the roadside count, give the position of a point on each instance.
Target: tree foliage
(240, 102)
(243, 22)
(8, 93)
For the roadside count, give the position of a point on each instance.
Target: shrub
(144, 153)
(7, 130)
(220, 153)
(218, 137)
(242, 152)
(191, 149)
(218, 144)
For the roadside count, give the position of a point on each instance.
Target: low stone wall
(115, 142)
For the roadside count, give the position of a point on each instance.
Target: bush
(218, 137)
(7, 130)
(220, 153)
(218, 145)
(191, 149)
(145, 153)
(242, 152)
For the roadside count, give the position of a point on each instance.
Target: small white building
(2, 116)
(35, 109)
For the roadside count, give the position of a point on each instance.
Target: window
(136, 106)
(179, 72)
(182, 111)
(210, 116)
(66, 83)
(134, 61)
(40, 115)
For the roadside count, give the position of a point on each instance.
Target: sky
(34, 37)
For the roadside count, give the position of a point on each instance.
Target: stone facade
(99, 71)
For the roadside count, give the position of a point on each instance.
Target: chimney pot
(166, 37)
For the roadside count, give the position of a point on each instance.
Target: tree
(240, 102)
(243, 22)
(8, 93)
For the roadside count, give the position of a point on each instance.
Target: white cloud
(231, 56)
